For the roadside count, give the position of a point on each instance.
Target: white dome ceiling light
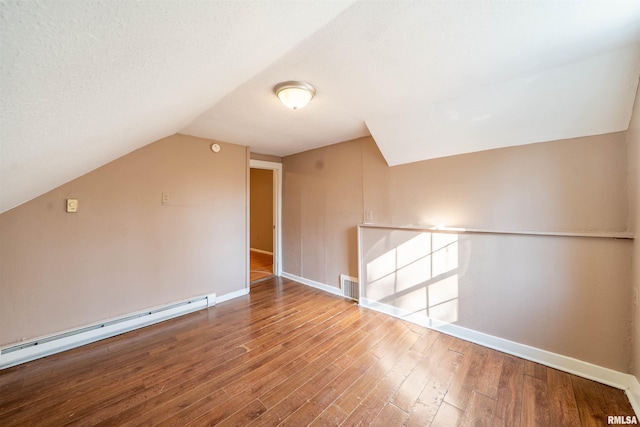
(293, 94)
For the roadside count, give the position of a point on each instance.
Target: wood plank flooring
(287, 354)
(261, 266)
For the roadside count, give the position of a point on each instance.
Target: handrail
(461, 230)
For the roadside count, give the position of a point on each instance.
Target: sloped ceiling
(85, 82)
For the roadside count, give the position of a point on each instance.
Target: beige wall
(570, 185)
(124, 250)
(576, 185)
(322, 204)
(261, 228)
(633, 144)
(573, 185)
(559, 294)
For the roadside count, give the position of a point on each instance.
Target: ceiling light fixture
(293, 94)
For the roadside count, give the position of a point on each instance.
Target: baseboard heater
(45, 346)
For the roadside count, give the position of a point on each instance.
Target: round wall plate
(215, 148)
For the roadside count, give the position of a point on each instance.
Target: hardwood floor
(287, 354)
(261, 266)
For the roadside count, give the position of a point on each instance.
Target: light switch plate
(72, 205)
(368, 217)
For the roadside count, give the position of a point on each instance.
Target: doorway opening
(264, 220)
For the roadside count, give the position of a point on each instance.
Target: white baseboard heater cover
(45, 346)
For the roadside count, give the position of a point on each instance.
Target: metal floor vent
(350, 287)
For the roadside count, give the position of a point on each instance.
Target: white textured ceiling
(85, 82)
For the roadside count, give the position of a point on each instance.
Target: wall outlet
(165, 198)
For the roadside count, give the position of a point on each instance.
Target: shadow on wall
(419, 276)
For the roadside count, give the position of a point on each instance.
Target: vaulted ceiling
(85, 82)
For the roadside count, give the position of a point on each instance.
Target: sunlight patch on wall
(419, 276)
(443, 299)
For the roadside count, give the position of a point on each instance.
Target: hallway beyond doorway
(261, 266)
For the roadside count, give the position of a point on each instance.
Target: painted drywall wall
(576, 185)
(261, 228)
(554, 293)
(322, 204)
(633, 146)
(124, 250)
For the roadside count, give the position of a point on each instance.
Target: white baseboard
(260, 251)
(232, 295)
(313, 284)
(620, 380)
(633, 393)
